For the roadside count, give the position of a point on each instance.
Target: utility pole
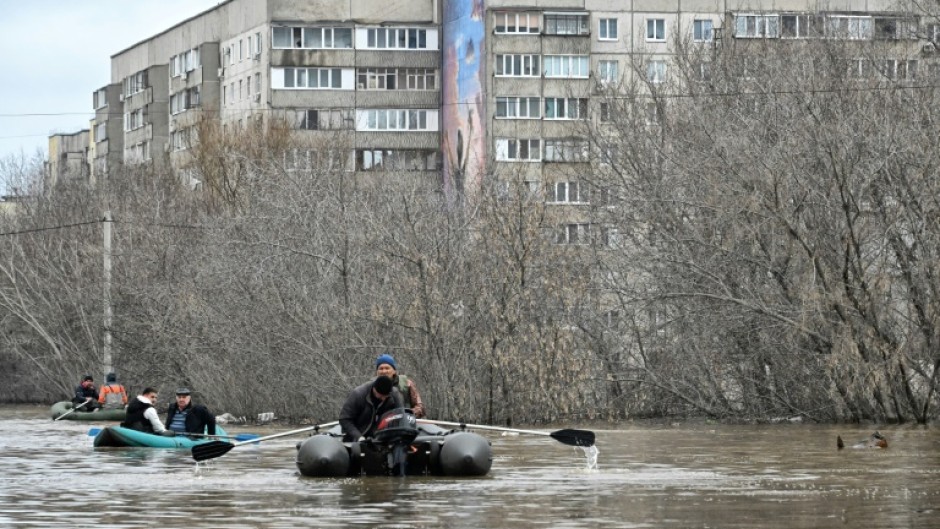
(106, 356)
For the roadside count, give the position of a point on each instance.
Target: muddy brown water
(677, 476)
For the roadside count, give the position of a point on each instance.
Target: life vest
(135, 419)
(113, 396)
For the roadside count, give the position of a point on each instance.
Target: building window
(516, 23)
(517, 65)
(748, 26)
(254, 45)
(605, 112)
(396, 120)
(577, 233)
(607, 29)
(101, 132)
(134, 120)
(656, 30)
(518, 108)
(609, 71)
(100, 99)
(656, 71)
(703, 31)
(309, 78)
(894, 28)
(396, 79)
(566, 150)
(514, 150)
(849, 27)
(397, 160)
(397, 38)
(135, 83)
(310, 38)
(565, 108)
(137, 153)
(801, 26)
(570, 66)
(180, 139)
(557, 24)
(184, 100)
(323, 119)
(566, 192)
(894, 69)
(611, 238)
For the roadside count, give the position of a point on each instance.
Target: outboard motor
(397, 429)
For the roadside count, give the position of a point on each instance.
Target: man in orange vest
(112, 396)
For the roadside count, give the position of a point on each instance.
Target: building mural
(464, 145)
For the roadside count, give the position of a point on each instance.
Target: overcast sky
(57, 52)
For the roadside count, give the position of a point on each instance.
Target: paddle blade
(93, 432)
(574, 437)
(211, 450)
(246, 437)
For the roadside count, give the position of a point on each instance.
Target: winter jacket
(82, 393)
(409, 392)
(198, 418)
(142, 416)
(361, 411)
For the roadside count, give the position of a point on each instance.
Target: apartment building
(340, 73)
(548, 65)
(68, 158)
(448, 89)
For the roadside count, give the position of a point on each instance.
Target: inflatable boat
(119, 436)
(400, 447)
(60, 409)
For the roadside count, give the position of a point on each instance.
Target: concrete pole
(106, 349)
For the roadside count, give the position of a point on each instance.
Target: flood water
(676, 476)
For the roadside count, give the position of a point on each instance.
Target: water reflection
(682, 476)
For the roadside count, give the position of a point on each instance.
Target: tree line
(761, 242)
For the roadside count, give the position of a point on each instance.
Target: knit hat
(87, 377)
(386, 359)
(382, 385)
(111, 377)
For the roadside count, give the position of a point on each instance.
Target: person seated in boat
(877, 440)
(86, 395)
(185, 417)
(112, 395)
(385, 366)
(142, 416)
(365, 405)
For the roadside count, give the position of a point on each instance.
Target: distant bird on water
(875, 441)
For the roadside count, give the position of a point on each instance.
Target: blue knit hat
(386, 359)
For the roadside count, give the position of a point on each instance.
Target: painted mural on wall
(462, 85)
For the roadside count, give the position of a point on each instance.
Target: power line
(90, 222)
(49, 228)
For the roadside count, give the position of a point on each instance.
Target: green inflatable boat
(119, 436)
(60, 409)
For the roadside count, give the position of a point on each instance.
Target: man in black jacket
(86, 395)
(185, 417)
(365, 405)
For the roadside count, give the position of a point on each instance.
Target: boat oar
(238, 437)
(214, 449)
(74, 409)
(567, 436)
